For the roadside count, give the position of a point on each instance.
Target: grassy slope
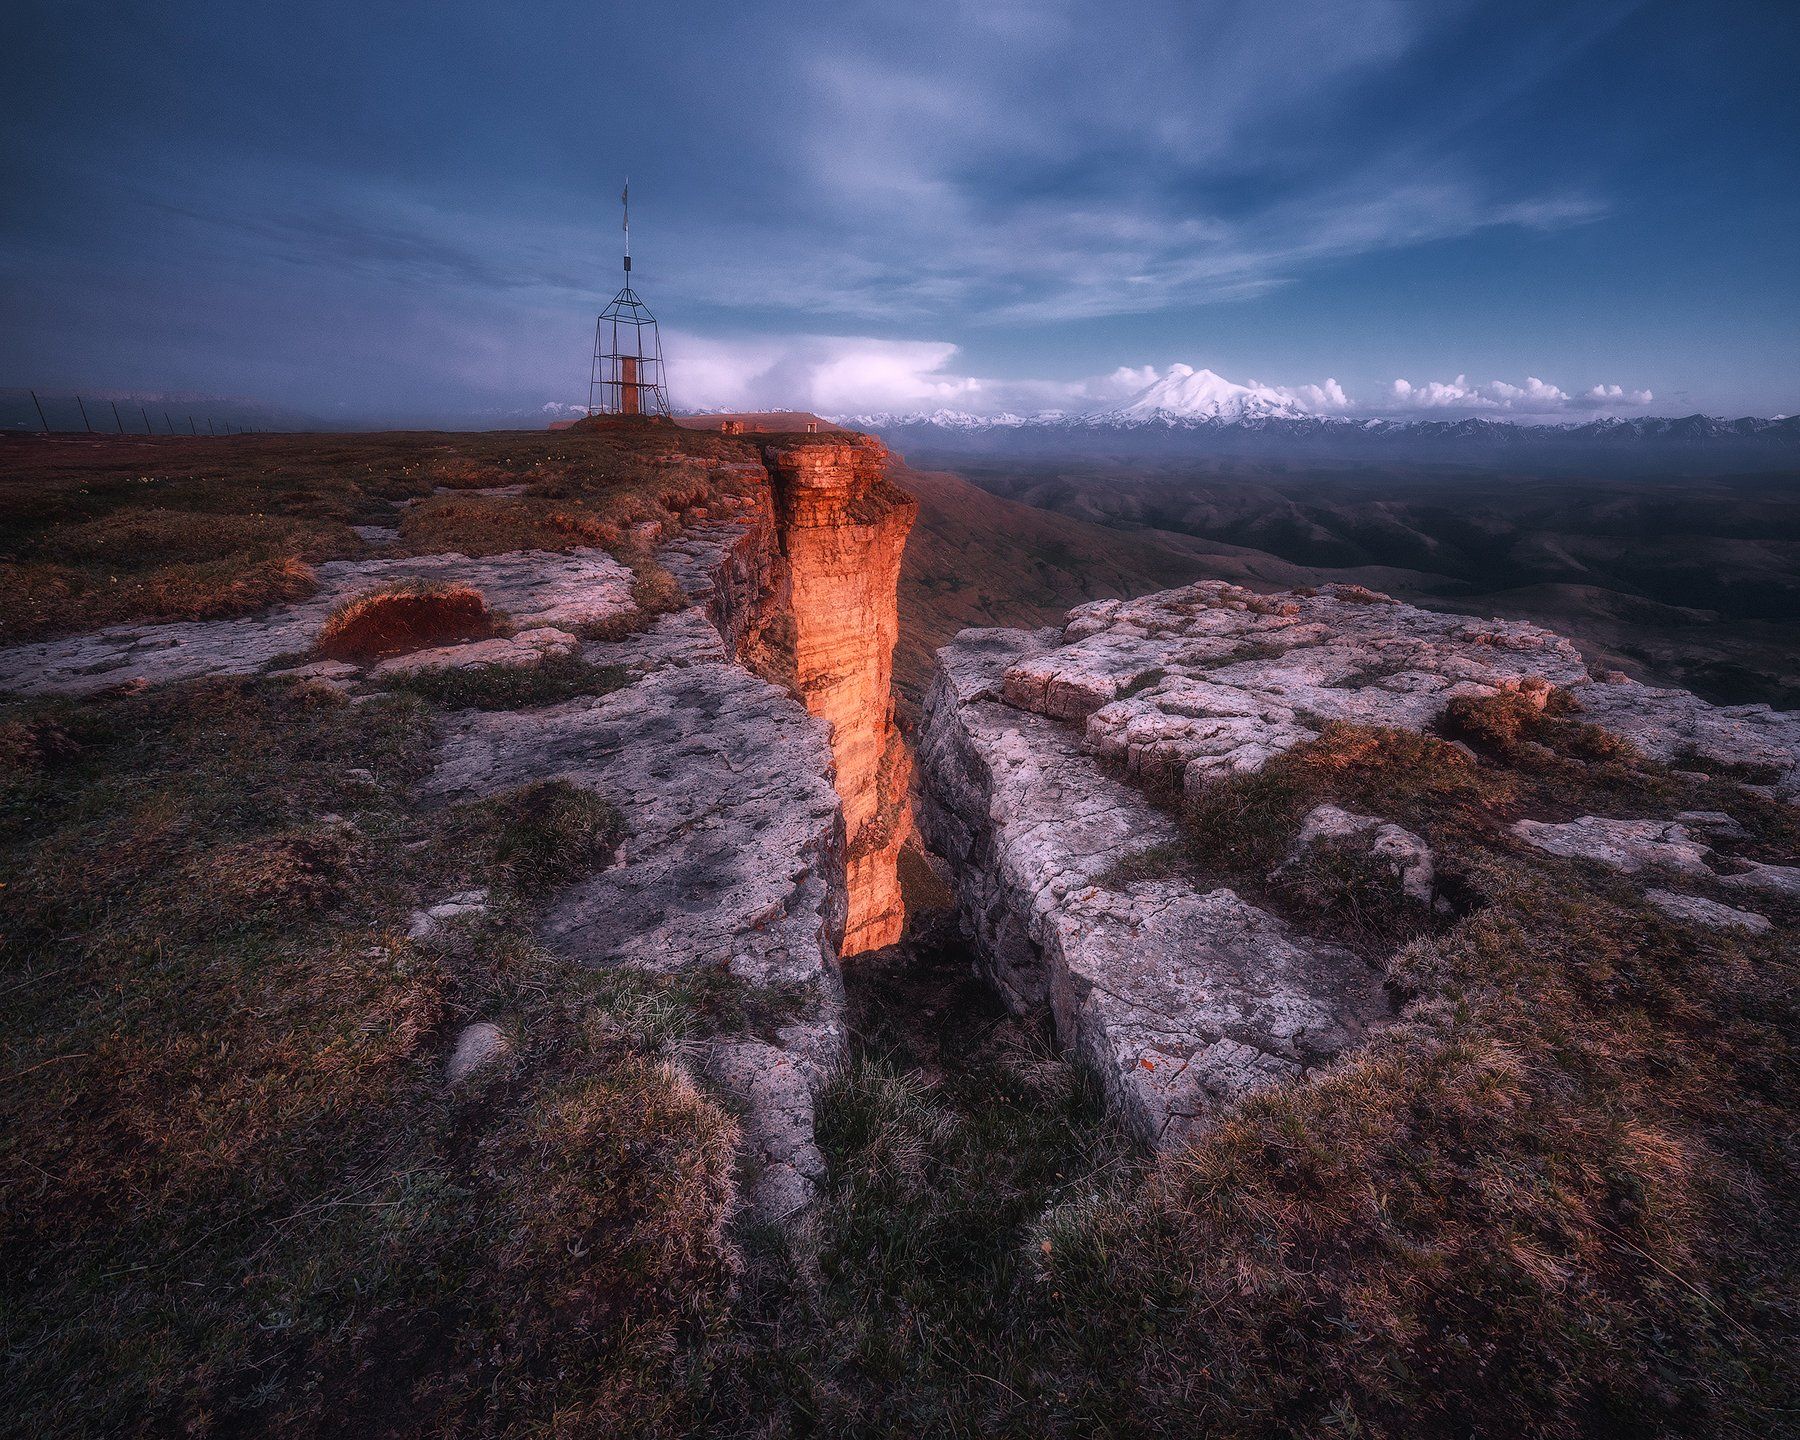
(238, 1194)
(975, 559)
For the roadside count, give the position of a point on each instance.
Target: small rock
(1407, 854)
(477, 1047)
(317, 670)
(770, 1089)
(1714, 824)
(1710, 913)
(426, 923)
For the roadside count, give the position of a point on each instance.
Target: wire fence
(104, 412)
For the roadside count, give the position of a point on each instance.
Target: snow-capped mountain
(1190, 411)
(1249, 427)
(1183, 397)
(1186, 394)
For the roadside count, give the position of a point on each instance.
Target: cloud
(1322, 399)
(1534, 397)
(1605, 395)
(848, 375)
(827, 373)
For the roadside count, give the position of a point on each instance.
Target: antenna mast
(627, 373)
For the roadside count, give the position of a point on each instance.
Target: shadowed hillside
(975, 559)
(1694, 582)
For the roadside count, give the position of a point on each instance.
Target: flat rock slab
(733, 850)
(733, 858)
(1213, 679)
(1178, 1000)
(534, 588)
(1626, 846)
(1697, 910)
(1183, 1002)
(528, 647)
(1673, 726)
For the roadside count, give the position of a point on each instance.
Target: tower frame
(627, 377)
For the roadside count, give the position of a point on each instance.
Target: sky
(382, 213)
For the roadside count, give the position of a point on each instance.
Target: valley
(1692, 580)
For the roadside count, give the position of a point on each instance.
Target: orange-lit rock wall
(842, 527)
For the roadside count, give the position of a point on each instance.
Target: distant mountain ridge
(1249, 424)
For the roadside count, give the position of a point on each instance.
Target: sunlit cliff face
(843, 527)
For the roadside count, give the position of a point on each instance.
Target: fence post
(40, 409)
(116, 420)
(146, 415)
(192, 429)
(167, 421)
(86, 423)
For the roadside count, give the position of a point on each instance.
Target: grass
(550, 681)
(405, 616)
(1554, 1199)
(896, 1310)
(1550, 1201)
(1153, 862)
(238, 1196)
(104, 529)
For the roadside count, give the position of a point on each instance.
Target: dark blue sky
(382, 211)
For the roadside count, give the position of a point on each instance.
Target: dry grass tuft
(1506, 722)
(412, 615)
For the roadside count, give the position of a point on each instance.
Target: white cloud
(1322, 399)
(828, 373)
(1534, 397)
(1604, 396)
(853, 374)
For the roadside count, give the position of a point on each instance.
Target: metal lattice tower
(627, 374)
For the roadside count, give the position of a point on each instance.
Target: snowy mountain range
(1250, 426)
(1190, 400)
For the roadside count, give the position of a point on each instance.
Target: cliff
(843, 529)
(748, 744)
(440, 1009)
(1057, 765)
